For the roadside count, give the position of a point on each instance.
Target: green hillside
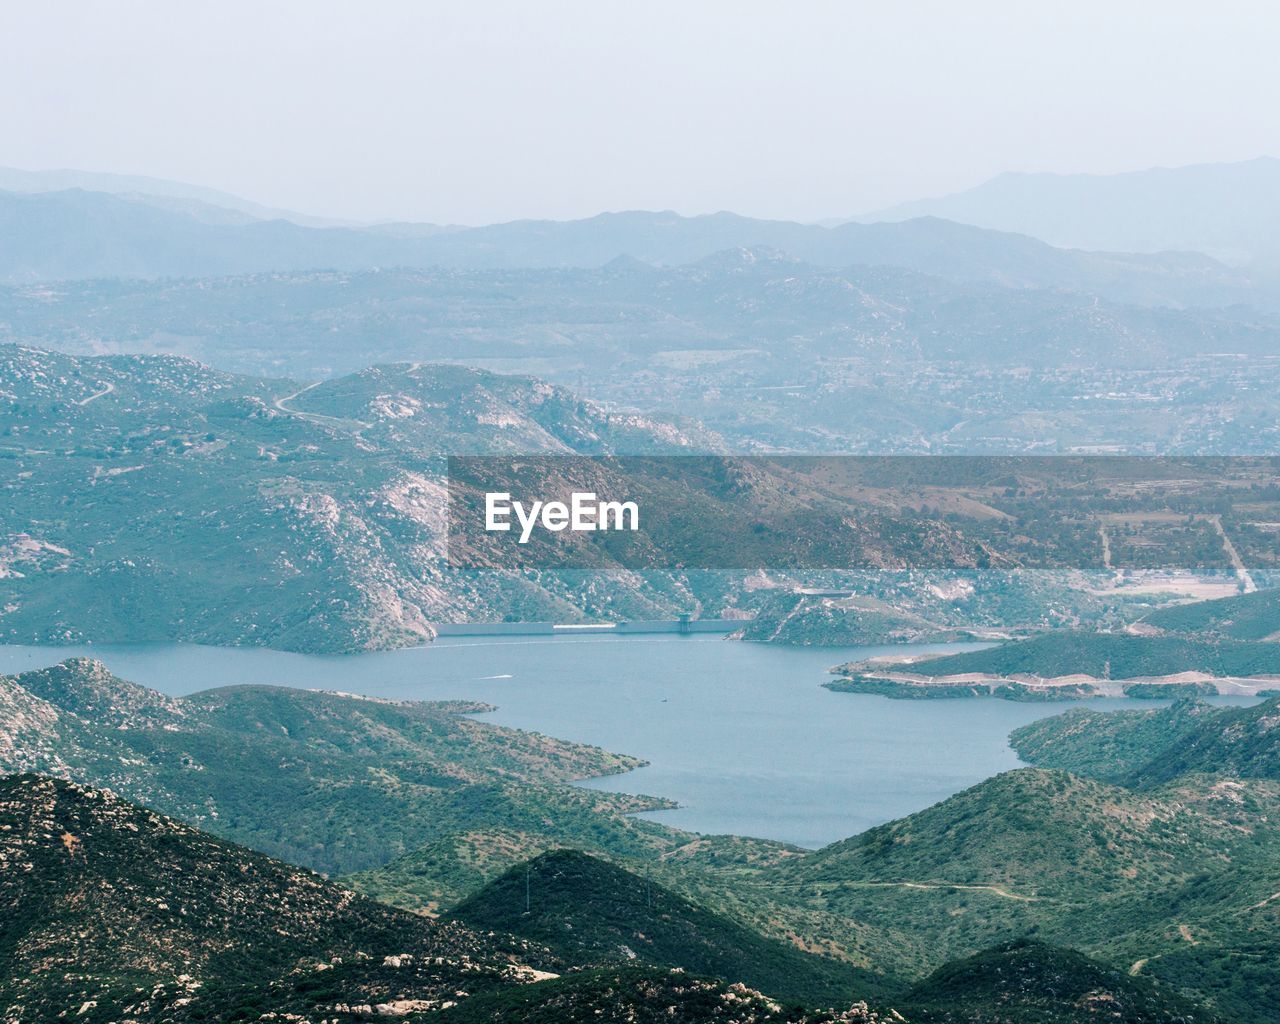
(590, 911)
(435, 805)
(1145, 749)
(1034, 983)
(110, 912)
(1107, 745)
(1034, 837)
(335, 782)
(1213, 937)
(1174, 882)
(1122, 875)
(1253, 616)
(1235, 742)
(1110, 656)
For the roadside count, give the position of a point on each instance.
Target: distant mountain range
(783, 315)
(76, 233)
(1230, 211)
(132, 225)
(1227, 211)
(203, 203)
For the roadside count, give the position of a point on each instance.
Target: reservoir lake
(743, 736)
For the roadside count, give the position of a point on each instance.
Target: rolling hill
(1253, 616)
(1034, 835)
(1147, 749)
(772, 353)
(77, 234)
(151, 498)
(221, 509)
(352, 782)
(1229, 210)
(1212, 934)
(1115, 656)
(590, 911)
(740, 302)
(1122, 874)
(1172, 882)
(1027, 982)
(1108, 745)
(110, 911)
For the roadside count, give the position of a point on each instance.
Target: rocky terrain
(112, 912)
(155, 499)
(443, 811)
(589, 910)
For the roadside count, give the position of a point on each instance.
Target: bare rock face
(213, 508)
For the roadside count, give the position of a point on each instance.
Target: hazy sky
(478, 111)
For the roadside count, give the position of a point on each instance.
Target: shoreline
(1226, 686)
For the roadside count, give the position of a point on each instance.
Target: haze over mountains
(1229, 211)
(198, 200)
(516, 547)
(71, 224)
(75, 233)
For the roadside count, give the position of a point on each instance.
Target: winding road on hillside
(315, 417)
(97, 394)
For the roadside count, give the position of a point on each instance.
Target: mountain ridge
(112, 911)
(589, 910)
(197, 200)
(1226, 209)
(79, 234)
(355, 782)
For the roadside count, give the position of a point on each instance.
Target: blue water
(742, 735)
